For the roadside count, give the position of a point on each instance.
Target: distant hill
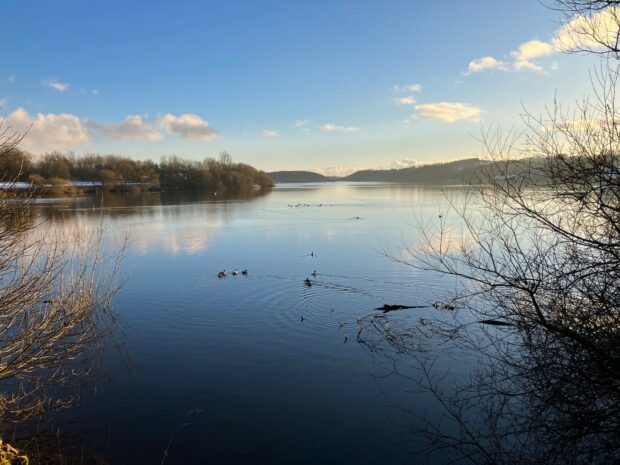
(298, 176)
(451, 172)
(455, 172)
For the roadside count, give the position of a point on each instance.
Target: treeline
(118, 173)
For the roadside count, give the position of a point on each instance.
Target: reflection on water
(268, 367)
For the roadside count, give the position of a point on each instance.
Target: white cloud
(529, 51)
(589, 32)
(269, 133)
(533, 49)
(329, 127)
(407, 100)
(346, 170)
(449, 111)
(523, 59)
(581, 32)
(47, 132)
(95, 92)
(399, 164)
(188, 126)
(338, 170)
(133, 128)
(56, 85)
(485, 63)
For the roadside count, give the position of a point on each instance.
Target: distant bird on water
(314, 273)
(245, 272)
(308, 282)
(222, 274)
(235, 272)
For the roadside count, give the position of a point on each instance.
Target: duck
(314, 273)
(221, 274)
(245, 272)
(308, 282)
(235, 272)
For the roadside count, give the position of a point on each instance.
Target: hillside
(452, 172)
(298, 176)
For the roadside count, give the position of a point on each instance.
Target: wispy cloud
(406, 100)
(269, 133)
(329, 127)
(448, 112)
(415, 88)
(11, 78)
(576, 125)
(302, 124)
(81, 90)
(56, 85)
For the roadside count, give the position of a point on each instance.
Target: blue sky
(322, 85)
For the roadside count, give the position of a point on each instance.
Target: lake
(260, 368)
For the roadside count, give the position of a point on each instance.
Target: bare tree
(537, 254)
(591, 26)
(226, 159)
(55, 290)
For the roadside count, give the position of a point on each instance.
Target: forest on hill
(459, 172)
(298, 176)
(467, 171)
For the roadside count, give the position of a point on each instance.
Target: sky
(329, 86)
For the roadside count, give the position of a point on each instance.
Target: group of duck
(235, 272)
(308, 205)
(307, 281)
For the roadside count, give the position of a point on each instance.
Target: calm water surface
(268, 387)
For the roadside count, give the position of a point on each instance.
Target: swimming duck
(308, 282)
(314, 273)
(235, 272)
(245, 272)
(221, 274)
